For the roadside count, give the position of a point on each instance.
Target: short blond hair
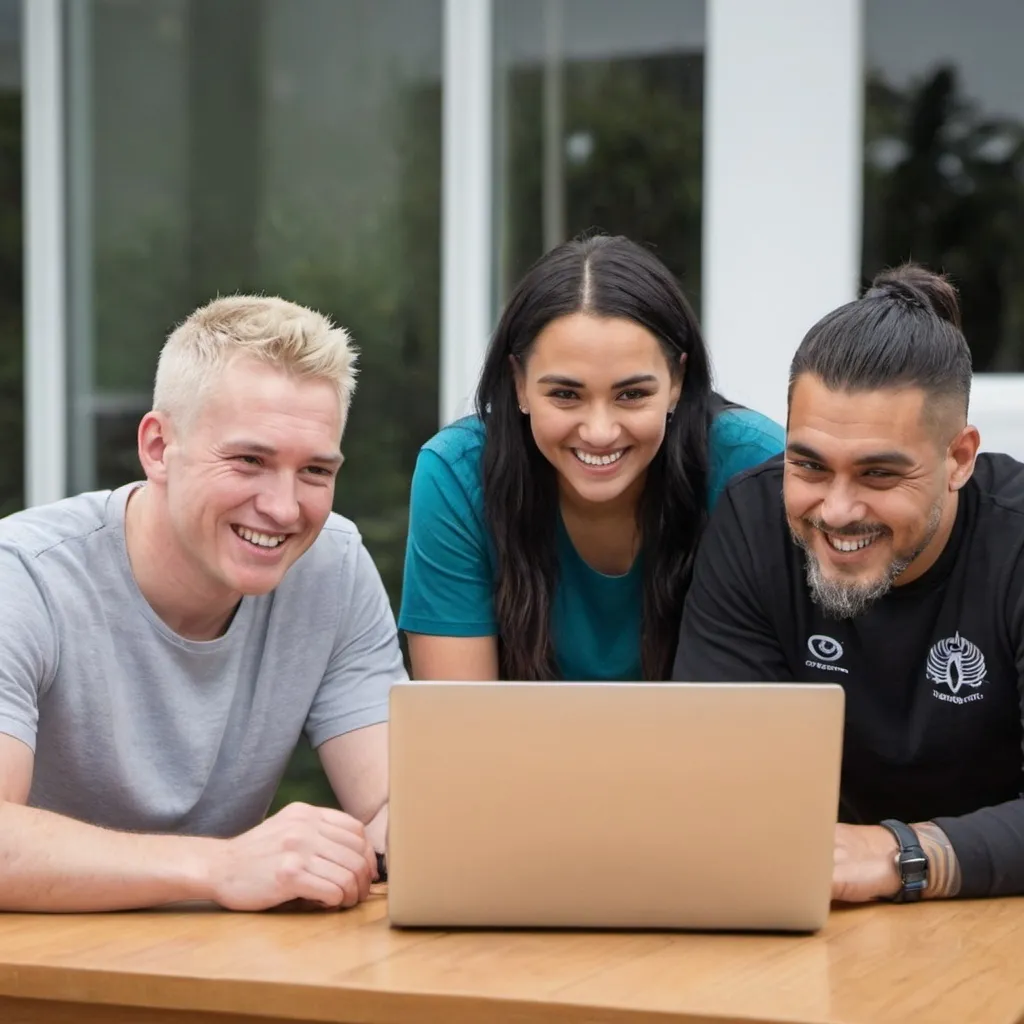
(285, 335)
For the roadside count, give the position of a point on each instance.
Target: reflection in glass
(944, 157)
(599, 126)
(260, 146)
(12, 421)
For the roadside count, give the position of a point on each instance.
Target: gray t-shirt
(137, 728)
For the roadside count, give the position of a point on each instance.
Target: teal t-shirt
(595, 619)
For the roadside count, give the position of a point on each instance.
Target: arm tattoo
(943, 866)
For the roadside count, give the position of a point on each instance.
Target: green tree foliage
(944, 185)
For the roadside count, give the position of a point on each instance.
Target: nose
(841, 507)
(278, 501)
(599, 427)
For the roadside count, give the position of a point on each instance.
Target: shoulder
(449, 467)
(755, 494)
(335, 550)
(337, 566)
(748, 430)
(738, 440)
(459, 445)
(38, 531)
(1000, 483)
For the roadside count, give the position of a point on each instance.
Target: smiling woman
(552, 534)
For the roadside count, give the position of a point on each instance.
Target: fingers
(343, 837)
(344, 829)
(352, 884)
(355, 868)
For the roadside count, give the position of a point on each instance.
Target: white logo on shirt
(824, 651)
(956, 663)
(824, 648)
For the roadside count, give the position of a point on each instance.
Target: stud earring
(524, 410)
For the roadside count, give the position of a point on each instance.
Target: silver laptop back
(613, 805)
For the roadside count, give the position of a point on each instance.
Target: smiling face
(870, 488)
(248, 487)
(598, 392)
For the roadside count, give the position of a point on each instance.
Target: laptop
(613, 805)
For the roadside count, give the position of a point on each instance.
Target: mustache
(850, 530)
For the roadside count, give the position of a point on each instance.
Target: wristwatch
(911, 862)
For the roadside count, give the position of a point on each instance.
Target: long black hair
(606, 277)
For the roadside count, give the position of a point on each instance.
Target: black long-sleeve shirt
(933, 672)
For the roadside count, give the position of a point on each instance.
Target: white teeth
(851, 545)
(263, 540)
(598, 460)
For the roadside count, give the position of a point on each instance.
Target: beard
(846, 599)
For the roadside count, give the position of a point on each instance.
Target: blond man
(164, 645)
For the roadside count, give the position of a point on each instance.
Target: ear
(520, 380)
(961, 456)
(155, 437)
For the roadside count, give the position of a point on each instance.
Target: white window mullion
(783, 144)
(44, 241)
(467, 256)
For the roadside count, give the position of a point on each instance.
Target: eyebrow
(568, 382)
(255, 448)
(890, 458)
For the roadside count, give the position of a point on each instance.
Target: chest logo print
(956, 663)
(824, 648)
(825, 651)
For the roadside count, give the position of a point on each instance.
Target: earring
(524, 410)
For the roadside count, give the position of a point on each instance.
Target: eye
(563, 395)
(319, 471)
(634, 395)
(249, 460)
(881, 474)
(807, 465)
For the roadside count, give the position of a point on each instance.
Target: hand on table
(865, 864)
(313, 854)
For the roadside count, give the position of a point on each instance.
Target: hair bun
(918, 286)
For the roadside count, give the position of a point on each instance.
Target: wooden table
(930, 963)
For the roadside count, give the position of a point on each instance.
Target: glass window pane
(12, 416)
(262, 146)
(944, 157)
(599, 124)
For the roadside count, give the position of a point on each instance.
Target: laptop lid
(613, 805)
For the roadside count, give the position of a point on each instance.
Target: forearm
(988, 845)
(943, 866)
(377, 829)
(56, 864)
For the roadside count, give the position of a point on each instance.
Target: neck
(924, 561)
(188, 603)
(606, 534)
(617, 511)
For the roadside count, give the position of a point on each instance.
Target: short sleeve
(365, 661)
(727, 635)
(28, 648)
(740, 439)
(448, 582)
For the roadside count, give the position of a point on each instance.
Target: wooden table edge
(317, 1003)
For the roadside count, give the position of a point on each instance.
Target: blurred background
(398, 164)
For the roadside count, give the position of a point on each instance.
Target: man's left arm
(357, 769)
(972, 855)
(347, 724)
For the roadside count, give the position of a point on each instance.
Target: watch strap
(911, 861)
